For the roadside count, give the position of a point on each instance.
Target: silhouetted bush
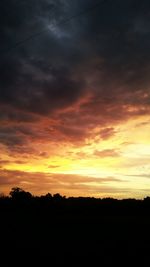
(20, 196)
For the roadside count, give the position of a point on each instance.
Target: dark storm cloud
(10, 139)
(103, 54)
(10, 114)
(36, 77)
(15, 136)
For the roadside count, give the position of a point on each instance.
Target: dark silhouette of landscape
(76, 231)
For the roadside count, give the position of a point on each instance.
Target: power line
(35, 35)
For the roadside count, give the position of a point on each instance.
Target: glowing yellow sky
(119, 164)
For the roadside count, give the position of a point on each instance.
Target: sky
(75, 97)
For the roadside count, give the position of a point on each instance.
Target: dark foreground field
(55, 231)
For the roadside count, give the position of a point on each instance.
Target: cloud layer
(40, 183)
(71, 72)
(101, 57)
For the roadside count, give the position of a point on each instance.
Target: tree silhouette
(19, 194)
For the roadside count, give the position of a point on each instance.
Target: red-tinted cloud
(39, 183)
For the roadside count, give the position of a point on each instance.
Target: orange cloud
(39, 183)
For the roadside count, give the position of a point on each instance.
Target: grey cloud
(104, 53)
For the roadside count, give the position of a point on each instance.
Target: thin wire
(35, 35)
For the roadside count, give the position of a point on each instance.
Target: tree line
(19, 198)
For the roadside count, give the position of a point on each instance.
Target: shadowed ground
(74, 232)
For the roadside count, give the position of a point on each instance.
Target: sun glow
(122, 155)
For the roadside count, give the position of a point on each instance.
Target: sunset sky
(75, 97)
